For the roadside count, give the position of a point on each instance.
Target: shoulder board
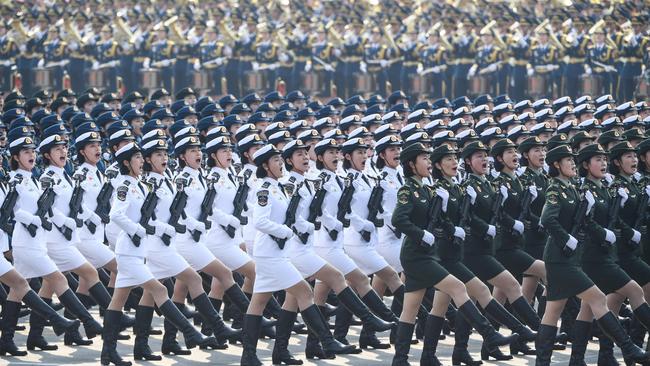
(214, 177)
(266, 185)
(18, 178)
(183, 179)
(126, 183)
(323, 176)
(292, 179)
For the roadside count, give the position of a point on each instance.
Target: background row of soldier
(544, 51)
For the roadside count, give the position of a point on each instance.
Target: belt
(302, 58)
(519, 62)
(139, 59)
(182, 57)
(352, 59)
(464, 61)
(599, 70)
(410, 63)
(246, 58)
(576, 60)
(631, 59)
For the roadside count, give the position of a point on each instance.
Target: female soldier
(623, 166)
(274, 269)
(510, 239)
(30, 252)
(130, 250)
(420, 262)
(599, 258)
(449, 236)
(329, 245)
(479, 244)
(301, 252)
(564, 274)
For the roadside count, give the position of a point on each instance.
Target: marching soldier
(54, 56)
(213, 55)
(8, 52)
(600, 61)
(465, 44)
(634, 44)
(433, 65)
(323, 59)
(266, 56)
(488, 61)
(544, 59)
(519, 49)
(374, 56)
(575, 44)
(107, 53)
(161, 57)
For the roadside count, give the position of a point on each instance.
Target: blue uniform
(463, 52)
(520, 56)
(575, 47)
(324, 52)
(266, 54)
(597, 57)
(209, 52)
(632, 58)
(301, 48)
(8, 51)
(160, 51)
(373, 55)
(435, 56)
(486, 56)
(105, 52)
(541, 57)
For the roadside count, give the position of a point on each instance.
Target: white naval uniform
(29, 253)
(195, 253)
(302, 255)
(332, 250)
(5, 265)
(248, 231)
(163, 261)
(63, 252)
(274, 270)
(363, 253)
(92, 245)
(217, 240)
(390, 245)
(111, 230)
(125, 213)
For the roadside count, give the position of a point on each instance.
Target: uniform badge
(121, 192)
(416, 194)
(403, 198)
(263, 198)
(552, 199)
(564, 195)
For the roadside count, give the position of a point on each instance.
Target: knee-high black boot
(342, 324)
(461, 355)
(72, 303)
(141, 349)
(72, 336)
(377, 305)
(613, 329)
(521, 307)
(544, 344)
(59, 324)
(220, 330)
(351, 301)
(192, 337)
(316, 323)
(206, 329)
(109, 348)
(497, 312)
(491, 337)
(581, 335)
(281, 354)
(368, 339)
(432, 331)
(250, 335)
(403, 344)
(170, 344)
(606, 352)
(238, 298)
(102, 297)
(35, 339)
(10, 312)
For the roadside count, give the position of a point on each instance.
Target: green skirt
(484, 266)
(637, 269)
(609, 277)
(458, 270)
(565, 280)
(516, 261)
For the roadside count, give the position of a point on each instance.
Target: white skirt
(249, 247)
(32, 263)
(274, 274)
(366, 258)
(390, 252)
(5, 265)
(131, 271)
(66, 256)
(196, 254)
(112, 231)
(308, 263)
(338, 258)
(231, 255)
(165, 264)
(95, 252)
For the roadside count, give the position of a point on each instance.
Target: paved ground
(90, 355)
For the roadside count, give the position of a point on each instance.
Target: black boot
(521, 307)
(541, 306)
(432, 331)
(502, 316)
(613, 329)
(221, 331)
(192, 337)
(342, 324)
(250, 335)
(169, 344)
(141, 349)
(487, 354)
(206, 329)
(581, 335)
(351, 301)
(403, 344)
(544, 344)
(281, 354)
(460, 355)
(59, 324)
(368, 339)
(99, 293)
(109, 348)
(491, 337)
(642, 314)
(72, 303)
(606, 352)
(73, 337)
(238, 298)
(316, 323)
(377, 306)
(637, 331)
(35, 339)
(10, 312)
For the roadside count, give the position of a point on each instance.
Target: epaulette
(123, 190)
(214, 177)
(18, 178)
(47, 179)
(266, 185)
(183, 179)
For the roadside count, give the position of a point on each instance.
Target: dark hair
(124, 170)
(80, 158)
(181, 162)
(468, 165)
(641, 166)
(435, 172)
(260, 172)
(13, 163)
(498, 166)
(287, 164)
(319, 164)
(553, 171)
(381, 163)
(244, 159)
(615, 170)
(582, 171)
(408, 171)
(523, 161)
(346, 163)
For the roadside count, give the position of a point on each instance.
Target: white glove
(491, 68)
(166, 63)
(471, 72)
(40, 64)
(530, 72)
(621, 192)
(368, 226)
(588, 70)
(287, 233)
(256, 66)
(234, 222)
(572, 243)
(504, 194)
(363, 67)
(471, 193)
(36, 220)
(492, 231)
(329, 68)
(283, 57)
(610, 69)
(199, 226)
(533, 192)
(518, 227)
(610, 237)
(95, 219)
(435, 69)
(647, 192)
(383, 63)
(444, 195)
(170, 231)
(197, 65)
(140, 231)
(459, 232)
(420, 69)
(428, 238)
(308, 67)
(162, 228)
(636, 237)
(146, 63)
(69, 223)
(590, 201)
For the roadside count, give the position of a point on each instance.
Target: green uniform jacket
(596, 249)
(447, 249)
(507, 238)
(558, 214)
(534, 234)
(645, 241)
(627, 249)
(477, 242)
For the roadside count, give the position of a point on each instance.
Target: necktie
(35, 181)
(232, 179)
(308, 187)
(400, 179)
(338, 180)
(67, 177)
(99, 176)
(142, 188)
(169, 185)
(365, 179)
(282, 189)
(201, 180)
